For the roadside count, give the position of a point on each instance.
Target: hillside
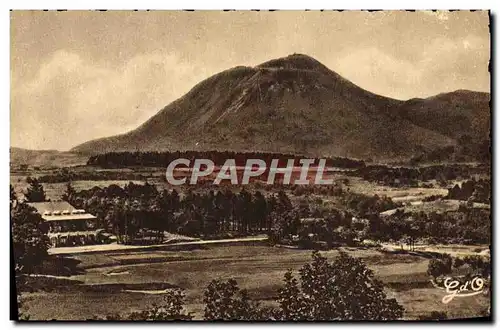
(459, 114)
(44, 158)
(297, 105)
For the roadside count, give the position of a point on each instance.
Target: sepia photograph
(250, 165)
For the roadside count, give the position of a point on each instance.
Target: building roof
(60, 210)
(85, 216)
(51, 206)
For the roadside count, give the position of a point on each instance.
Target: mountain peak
(295, 62)
(295, 104)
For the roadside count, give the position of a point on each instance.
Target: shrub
(343, 290)
(171, 310)
(225, 301)
(440, 266)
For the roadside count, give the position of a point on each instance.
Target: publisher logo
(457, 287)
(305, 171)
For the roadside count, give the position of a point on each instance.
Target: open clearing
(398, 194)
(121, 282)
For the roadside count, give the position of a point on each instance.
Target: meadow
(121, 282)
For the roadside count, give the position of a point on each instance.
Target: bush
(171, 310)
(343, 290)
(225, 301)
(478, 265)
(440, 266)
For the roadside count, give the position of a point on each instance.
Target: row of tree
(445, 265)
(466, 150)
(128, 210)
(65, 175)
(464, 226)
(162, 159)
(467, 226)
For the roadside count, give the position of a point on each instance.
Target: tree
(478, 265)
(260, 210)
(292, 305)
(69, 194)
(440, 266)
(225, 301)
(343, 290)
(172, 309)
(29, 237)
(13, 197)
(345, 234)
(35, 192)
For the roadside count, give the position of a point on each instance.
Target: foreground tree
(12, 198)
(342, 290)
(29, 245)
(225, 301)
(29, 237)
(171, 310)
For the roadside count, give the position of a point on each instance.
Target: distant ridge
(45, 158)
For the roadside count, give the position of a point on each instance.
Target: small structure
(68, 226)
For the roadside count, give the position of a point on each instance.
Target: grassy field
(124, 282)
(54, 191)
(155, 176)
(439, 206)
(404, 194)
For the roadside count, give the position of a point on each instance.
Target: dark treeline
(162, 159)
(333, 228)
(470, 266)
(464, 226)
(405, 176)
(128, 211)
(66, 176)
(466, 150)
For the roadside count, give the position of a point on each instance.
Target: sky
(81, 75)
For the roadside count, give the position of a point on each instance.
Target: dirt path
(453, 250)
(121, 247)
